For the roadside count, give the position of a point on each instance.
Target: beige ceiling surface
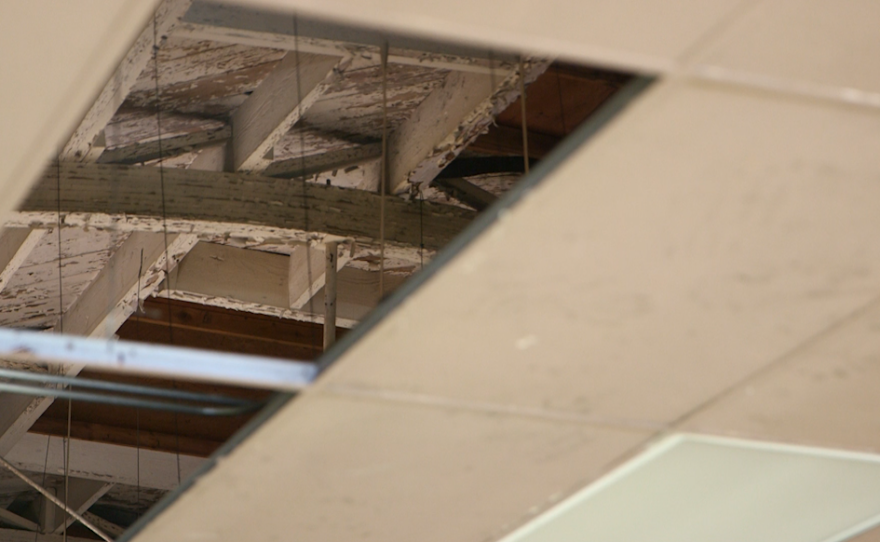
(708, 233)
(336, 468)
(56, 57)
(819, 47)
(824, 393)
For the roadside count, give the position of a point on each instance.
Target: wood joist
(237, 205)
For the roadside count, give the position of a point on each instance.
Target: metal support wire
(126, 394)
(55, 500)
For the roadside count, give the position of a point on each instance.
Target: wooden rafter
(448, 120)
(15, 246)
(278, 103)
(172, 146)
(101, 461)
(117, 88)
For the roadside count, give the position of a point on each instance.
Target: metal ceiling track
(40, 349)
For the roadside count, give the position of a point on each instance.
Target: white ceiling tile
(691, 488)
(59, 54)
(825, 393)
(335, 468)
(703, 235)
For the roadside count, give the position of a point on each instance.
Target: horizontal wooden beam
(126, 436)
(212, 328)
(172, 146)
(252, 281)
(105, 462)
(230, 204)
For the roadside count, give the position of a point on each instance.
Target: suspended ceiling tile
(824, 393)
(703, 235)
(872, 535)
(635, 34)
(59, 54)
(693, 488)
(350, 469)
(827, 48)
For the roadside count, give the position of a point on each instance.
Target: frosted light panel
(694, 488)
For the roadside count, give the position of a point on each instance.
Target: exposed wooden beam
(14, 519)
(125, 436)
(136, 268)
(466, 192)
(320, 163)
(112, 297)
(15, 246)
(252, 281)
(212, 328)
(211, 158)
(208, 21)
(102, 462)
(81, 495)
(127, 198)
(117, 88)
(448, 120)
(307, 273)
(172, 146)
(278, 103)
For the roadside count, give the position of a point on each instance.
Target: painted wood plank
(136, 269)
(127, 198)
(278, 103)
(324, 162)
(117, 88)
(253, 281)
(14, 519)
(16, 244)
(448, 120)
(110, 463)
(307, 273)
(144, 152)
